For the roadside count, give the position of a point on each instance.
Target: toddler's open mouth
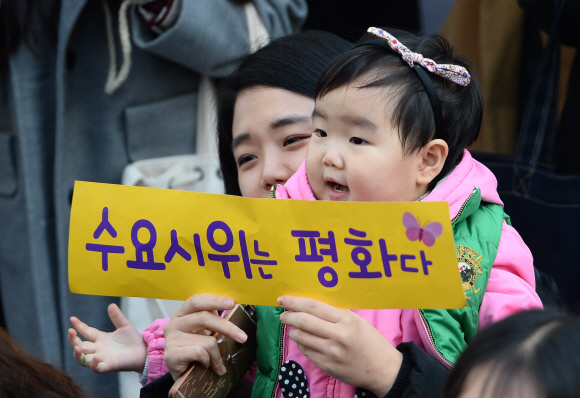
(337, 187)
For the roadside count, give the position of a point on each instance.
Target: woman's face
(271, 130)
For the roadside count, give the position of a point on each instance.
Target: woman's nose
(274, 172)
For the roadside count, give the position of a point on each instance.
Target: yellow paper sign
(147, 242)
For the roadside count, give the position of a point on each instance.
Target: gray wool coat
(57, 125)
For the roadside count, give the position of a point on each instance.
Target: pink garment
(155, 340)
(511, 286)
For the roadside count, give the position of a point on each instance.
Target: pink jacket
(155, 340)
(511, 286)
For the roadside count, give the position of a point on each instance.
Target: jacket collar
(460, 184)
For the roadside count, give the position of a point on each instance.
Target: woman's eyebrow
(284, 121)
(239, 140)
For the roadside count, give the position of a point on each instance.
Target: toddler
(392, 124)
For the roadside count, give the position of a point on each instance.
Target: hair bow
(455, 73)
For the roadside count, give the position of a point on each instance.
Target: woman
(264, 127)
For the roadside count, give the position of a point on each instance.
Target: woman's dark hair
(537, 350)
(462, 107)
(292, 63)
(24, 376)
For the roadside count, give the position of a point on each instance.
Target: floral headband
(455, 73)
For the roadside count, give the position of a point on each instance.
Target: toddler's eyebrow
(358, 121)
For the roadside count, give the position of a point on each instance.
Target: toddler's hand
(342, 344)
(121, 350)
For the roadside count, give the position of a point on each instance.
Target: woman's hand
(342, 344)
(188, 335)
(123, 349)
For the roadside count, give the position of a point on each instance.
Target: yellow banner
(147, 242)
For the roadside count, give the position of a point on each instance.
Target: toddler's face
(355, 153)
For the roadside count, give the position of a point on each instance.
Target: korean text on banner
(167, 244)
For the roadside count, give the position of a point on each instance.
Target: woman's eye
(357, 141)
(295, 138)
(320, 133)
(245, 159)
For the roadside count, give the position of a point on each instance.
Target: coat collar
(468, 175)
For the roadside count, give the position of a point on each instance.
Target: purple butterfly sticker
(426, 234)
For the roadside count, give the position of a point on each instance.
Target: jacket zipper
(273, 191)
(433, 340)
(423, 319)
(282, 331)
(463, 206)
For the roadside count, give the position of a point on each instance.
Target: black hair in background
(536, 347)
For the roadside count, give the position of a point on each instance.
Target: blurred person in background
(87, 87)
(24, 376)
(531, 354)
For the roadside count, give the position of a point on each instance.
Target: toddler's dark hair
(462, 106)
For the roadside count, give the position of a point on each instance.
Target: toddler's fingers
(88, 332)
(97, 366)
(88, 347)
(117, 317)
(73, 338)
(82, 358)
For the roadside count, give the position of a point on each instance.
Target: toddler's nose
(333, 158)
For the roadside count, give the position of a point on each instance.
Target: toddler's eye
(244, 159)
(320, 133)
(295, 138)
(357, 141)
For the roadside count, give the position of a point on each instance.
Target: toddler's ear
(433, 157)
